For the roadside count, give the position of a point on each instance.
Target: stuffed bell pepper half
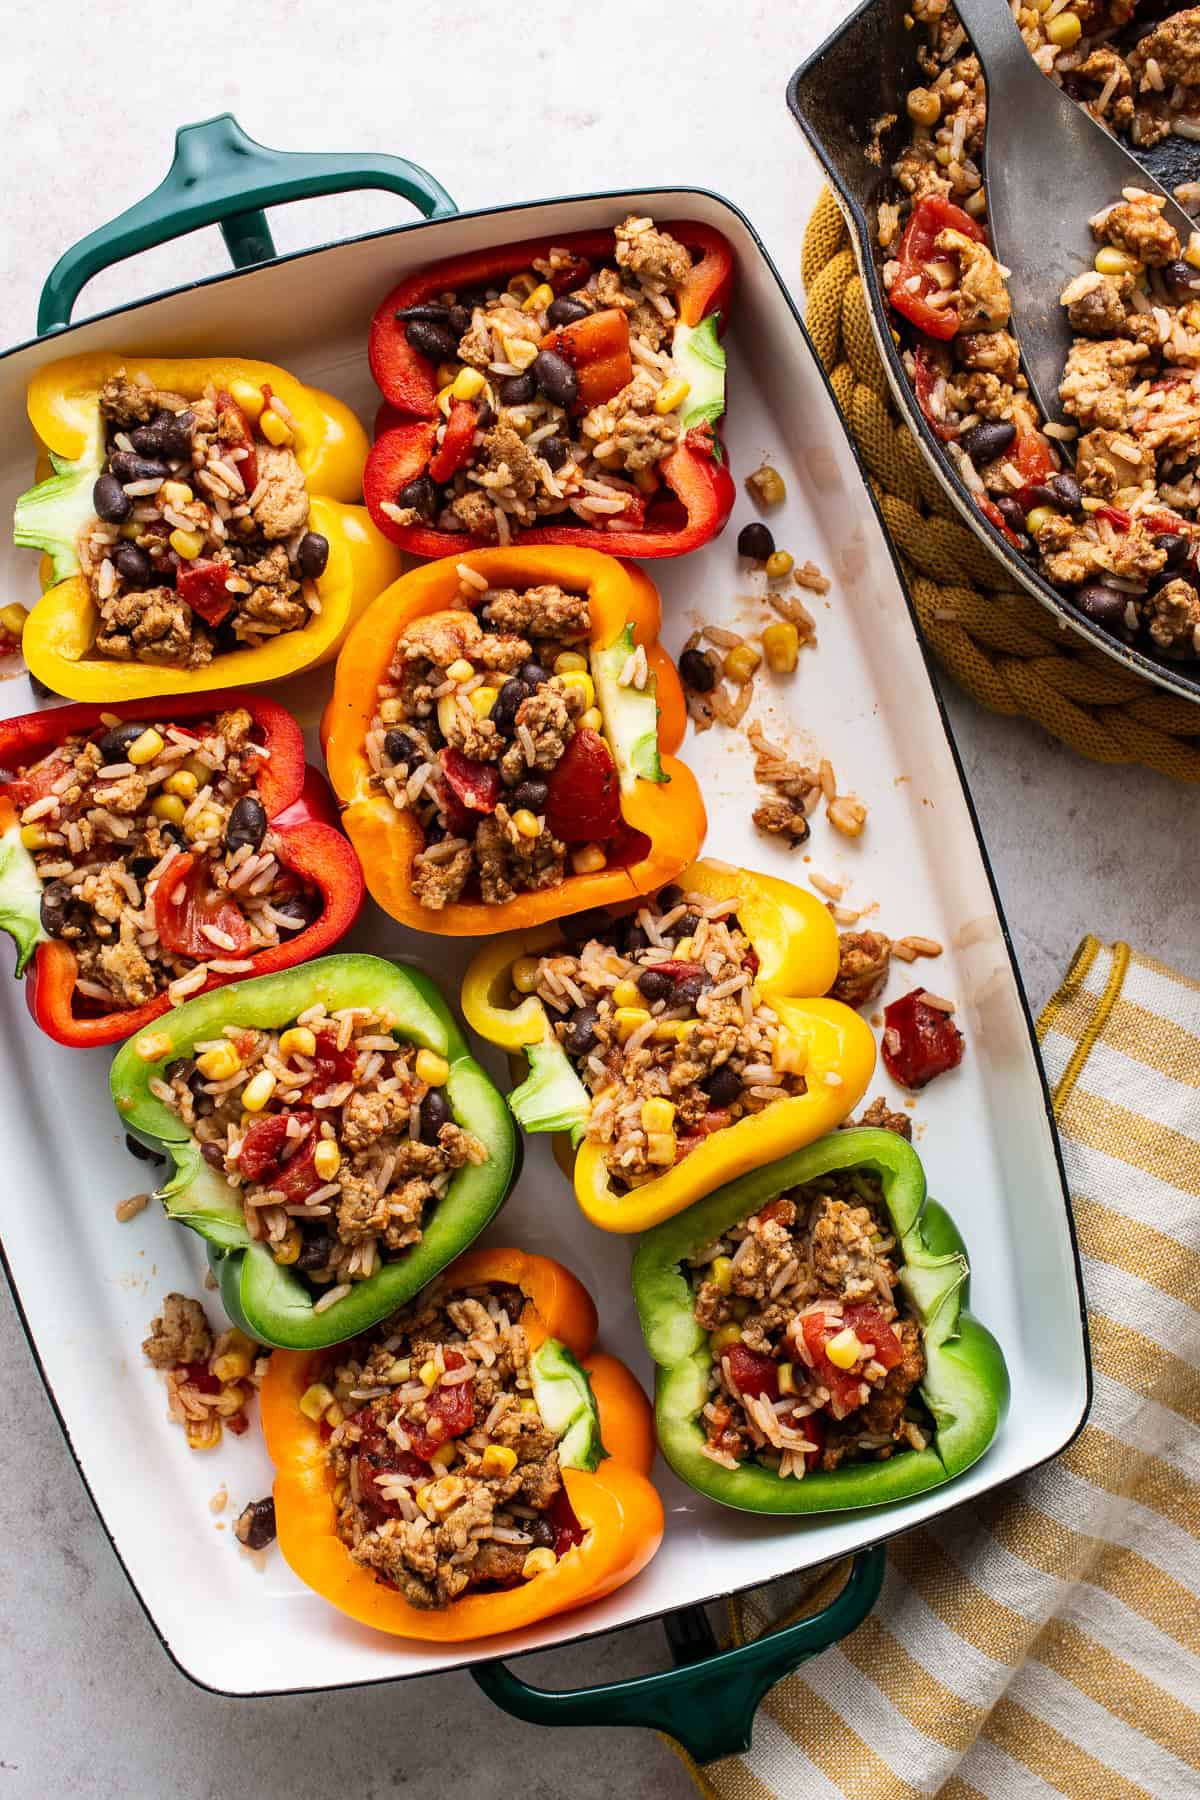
(675, 1045)
(331, 1136)
(467, 1467)
(194, 522)
(499, 736)
(811, 1328)
(557, 391)
(160, 848)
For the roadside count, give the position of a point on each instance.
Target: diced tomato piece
(845, 1387)
(813, 1427)
(1035, 464)
(715, 1119)
(598, 350)
(37, 780)
(238, 435)
(991, 511)
(331, 1064)
(298, 1177)
(475, 785)
(199, 1375)
(263, 1144)
(1157, 522)
(584, 802)
(378, 1455)
(572, 274)
(456, 443)
(450, 1412)
(266, 1145)
(627, 846)
(184, 903)
(919, 1041)
(201, 585)
(1116, 516)
(752, 1372)
(567, 1530)
(777, 1209)
(929, 216)
(925, 377)
(870, 1327)
(238, 1423)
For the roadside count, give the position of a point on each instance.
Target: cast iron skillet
(858, 75)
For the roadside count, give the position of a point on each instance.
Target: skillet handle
(707, 1702)
(220, 176)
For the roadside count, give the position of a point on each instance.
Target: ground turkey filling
(200, 542)
(814, 1357)
(1118, 535)
(488, 735)
(156, 858)
(525, 444)
(660, 1016)
(445, 1476)
(337, 1137)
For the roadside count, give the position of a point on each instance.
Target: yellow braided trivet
(1005, 649)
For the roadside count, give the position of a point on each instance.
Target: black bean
(1010, 511)
(1103, 605)
(435, 1112)
(59, 908)
(168, 435)
(988, 440)
(436, 342)
(533, 674)
(459, 321)
(247, 824)
(1177, 546)
(543, 1533)
(485, 416)
(684, 927)
(401, 749)
(1039, 494)
(555, 451)
(654, 984)
(38, 689)
(114, 745)
(532, 795)
(504, 712)
(213, 1155)
(689, 988)
(255, 1525)
(1067, 492)
(518, 390)
(579, 929)
(566, 309)
(723, 1086)
(142, 1151)
(133, 566)
(421, 495)
(756, 541)
(313, 555)
(111, 502)
(303, 908)
(635, 938)
(128, 467)
(1182, 280)
(581, 1035)
(697, 672)
(669, 897)
(140, 866)
(432, 312)
(317, 1249)
(556, 378)
(508, 1295)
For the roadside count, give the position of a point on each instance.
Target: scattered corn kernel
(203, 1434)
(672, 394)
(529, 1408)
(445, 399)
(526, 822)
(538, 298)
(524, 972)
(207, 823)
(741, 663)
(447, 716)
(327, 1159)
(334, 1414)
(297, 1040)
(766, 486)
(724, 1335)
(145, 748)
(579, 678)
(482, 700)
(169, 807)
(1111, 261)
(498, 1459)
(1192, 253)
(432, 1068)
(781, 644)
(340, 1490)
(400, 1369)
(287, 1249)
(1065, 30)
(779, 564)
(275, 429)
(187, 544)
(589, 860)
(33, 837)
(258, 1090)
(924, 106)
(520, 352)
(627, 1019)
(442, 1496)
(231, 1399)
(569, 659)
(845, 1349)
(153, 1046)
(538, 1562)
(467, 384)
(315, 1399)
(661, 1148)
(13, 617)
(592, 719)
(428, 1373)
(460, 670)
(658, 1115)
(219, 1064)
(234, 1365)
(668, 1030)
(248, 396)
(785, 1374)
(523, 284)
(183, 783)
(847, 815)
(1039, 516)
(627, 993)
(444, 1455)
(176, 493)
(721, 1273)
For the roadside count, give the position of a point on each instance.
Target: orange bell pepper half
(618, 1508)
(668, 814)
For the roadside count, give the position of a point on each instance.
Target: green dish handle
(707, 1702)
(220, 176)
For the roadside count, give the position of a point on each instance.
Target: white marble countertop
(499, 107)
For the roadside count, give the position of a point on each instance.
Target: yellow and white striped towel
(1047, 1640)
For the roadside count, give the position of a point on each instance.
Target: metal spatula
(1049, 167)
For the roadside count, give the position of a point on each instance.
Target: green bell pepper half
(965, 1385)
(269, 1301)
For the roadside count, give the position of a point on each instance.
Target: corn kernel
(297, 1040)
(145, 748)
(785, 1374)
(400, 1369)
(779, 564)
(207, 823)
(444, 1455)
(538, 1562)
(847, 815)
(539, 299)
(498, 1459)
(131, 531)
(176, 493)
(482, 700)
(523, 284)
(1065, 30)
(1111, 261)
(720, 1340)
(340, 1490)
(627, 993)
(327, 1159)
(432, 1068)
(520, 352)
(187, 544)
(524, 974)
(529, 1408)
(592, 719)
(741, 1307)
(569, 659)
(153, 1046)
(627, 1019)
(720, 1273)
(845, 1349)
(203, 1434)
(258, 1091)
(589, 860)
(1192, 253)
(234, 1365)
(231, 1399)
(766, 486)
(219, 1064)
(672, 394)
(924, 107)
(683, 948)
(13, 617)
(658, 1115)
(671, 1030)
(248, 396)
(579, 678)
(33, 837)
(782, 646)
(526, 822)
(442, 1496)
(741, 663)
(315, 1399)
(287, 1249)
(460, 670)
(169, 807)
(275, 429)
(428, 1373)
(445, 399)
(183, 783)
(661, 1148)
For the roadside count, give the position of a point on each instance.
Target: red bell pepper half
(300, 812)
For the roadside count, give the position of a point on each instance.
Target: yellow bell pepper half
(796, 943)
